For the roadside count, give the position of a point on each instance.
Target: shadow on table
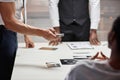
(33, 66)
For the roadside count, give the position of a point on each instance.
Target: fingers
(55, 42)
(30, 45)
(105, 57)
(93, 38)
(97, 56)
(53, 34)
(28, 41)
(94, 57)
(94, 42)
(53, 31)
(49, 35)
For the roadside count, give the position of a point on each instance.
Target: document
(80, 45)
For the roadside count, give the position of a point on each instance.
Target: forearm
(7, 11)
(20, 27)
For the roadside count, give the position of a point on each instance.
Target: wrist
(57, 29)
(93, 31)
(26, 36)
(40, 32)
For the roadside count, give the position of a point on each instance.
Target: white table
(30, 63)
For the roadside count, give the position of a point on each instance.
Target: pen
(60, 35)
(52, 64)
(81, 57)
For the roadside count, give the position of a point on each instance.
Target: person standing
(108, 69)
(77, 19)
(9, 25)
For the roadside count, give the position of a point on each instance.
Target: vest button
(74, 19)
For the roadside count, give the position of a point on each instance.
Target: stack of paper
(80, 45)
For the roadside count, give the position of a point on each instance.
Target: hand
(29, 42)
(97, 56)
(55, 30)
(49, 34)
(93, 38)
(55, 42)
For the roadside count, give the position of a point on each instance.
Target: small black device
(68, 61)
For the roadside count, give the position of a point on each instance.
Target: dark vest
(74, 10)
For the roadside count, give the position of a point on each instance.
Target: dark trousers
(75, 32)
(8, 47)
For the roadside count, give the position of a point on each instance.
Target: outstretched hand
(49, 35)
(56, 41)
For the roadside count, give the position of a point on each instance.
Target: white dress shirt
(94, 6)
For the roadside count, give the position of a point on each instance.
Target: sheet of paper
(79, 45)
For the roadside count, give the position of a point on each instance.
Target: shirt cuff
(55, 23)
(94, 25)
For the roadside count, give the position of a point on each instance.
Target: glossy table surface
(30, 64)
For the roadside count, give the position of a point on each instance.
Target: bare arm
(7, 11)
(8, 15)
